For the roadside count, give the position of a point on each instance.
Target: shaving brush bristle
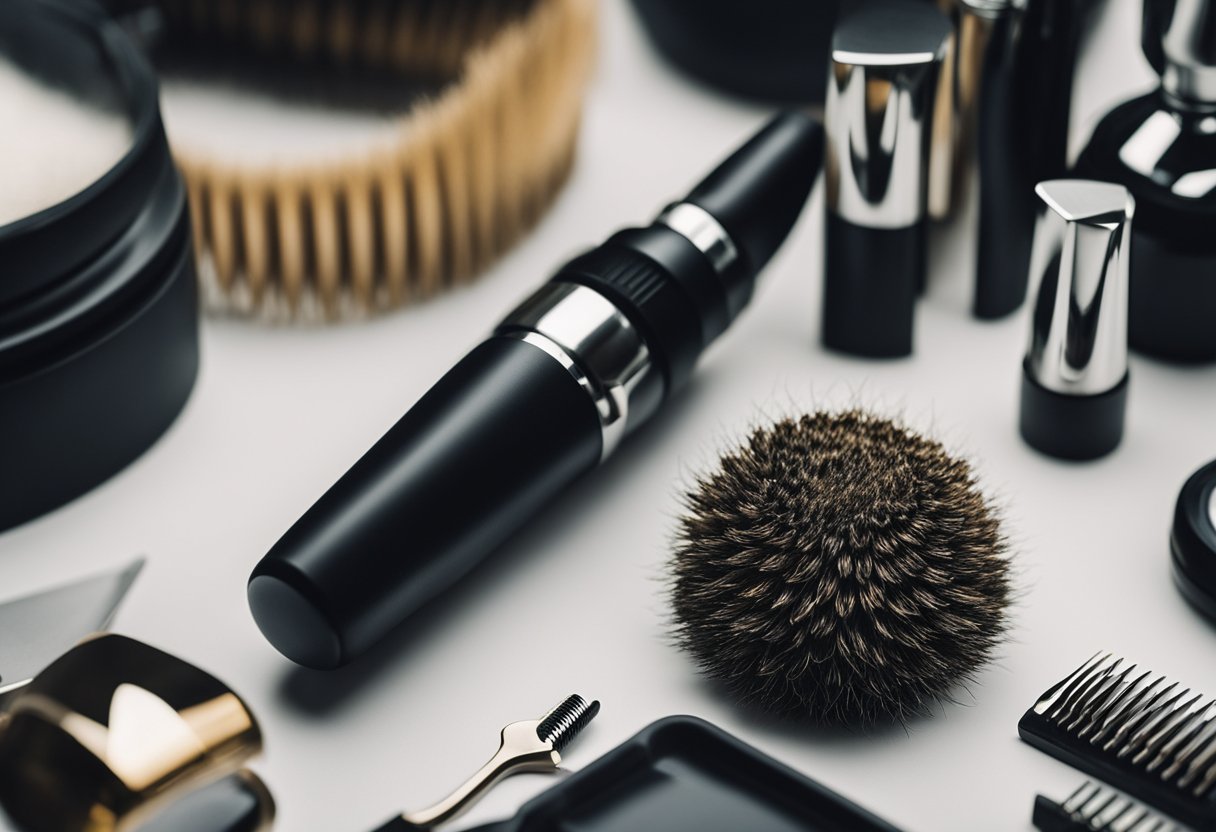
(841, 568)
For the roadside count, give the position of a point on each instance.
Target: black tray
(682, 773)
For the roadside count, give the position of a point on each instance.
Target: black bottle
(1162, 148)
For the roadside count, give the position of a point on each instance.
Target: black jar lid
(71, 45)
(98, 295)
(1193, 541)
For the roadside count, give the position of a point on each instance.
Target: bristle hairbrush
(840, 568)
(1149, 737)
(463, 174)
(1096, 808)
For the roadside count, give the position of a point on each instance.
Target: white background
(576, 602)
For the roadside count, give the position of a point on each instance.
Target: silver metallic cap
(1079, 280)
(886, 57)
(1188, 43)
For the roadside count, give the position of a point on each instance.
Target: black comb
(1144, 735)
(1096, 808)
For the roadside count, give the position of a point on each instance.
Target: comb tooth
(1177, 718)
(1206, 761)
(1079, 692)
(1183, 747)
(1203, 753)
(1079, 798)
(1154, 712)
(1138, 711)
(1125, 703)
(1128, 820)
(1059, 690)
(1115, 807)
(1099, 702)
(1096, 804)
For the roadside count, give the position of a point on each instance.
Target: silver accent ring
(701, 229)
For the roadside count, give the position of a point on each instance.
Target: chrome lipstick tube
(1074, 376)
(882, 83)
(584, 362)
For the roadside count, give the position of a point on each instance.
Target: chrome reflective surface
(596, 343)
(37, 629)
(985, 52)
(1212, 509)
(882, 88)
(700, 228)
(1079, 286)
(1188, 40)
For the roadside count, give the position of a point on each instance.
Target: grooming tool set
(836, 568)
(1149, 737)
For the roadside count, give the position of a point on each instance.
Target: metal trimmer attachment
(532, 745)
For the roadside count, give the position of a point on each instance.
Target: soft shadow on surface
(320, 693)
(762, 722)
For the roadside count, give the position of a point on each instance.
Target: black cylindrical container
(1162, 148)
(586, 360)
(98, 300)
(882, 86)
(1193, 540)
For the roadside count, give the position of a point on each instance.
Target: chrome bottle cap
(886, 58)
(1079, 280)
(1186, 31)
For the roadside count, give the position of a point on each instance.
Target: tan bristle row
(470, 171)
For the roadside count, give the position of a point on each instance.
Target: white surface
(576, 602)
(56, 146)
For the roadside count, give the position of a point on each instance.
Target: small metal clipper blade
(531, 745)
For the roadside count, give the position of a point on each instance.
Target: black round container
(767, 49)
(1193, 540)
(98, 299)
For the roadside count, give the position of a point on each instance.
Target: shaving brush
(841, 568)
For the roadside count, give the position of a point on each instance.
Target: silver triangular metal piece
(36, 629)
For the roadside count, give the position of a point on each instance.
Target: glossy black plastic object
(682, 774)
(1193, 540)
(870, 287)
(1162, 148)
(773, 50)
(1069, 426)
(532, 409)
(499, 436)
(98, 301)
(1173, 277)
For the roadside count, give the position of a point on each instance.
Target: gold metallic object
(531, 745)
(113, 732)
(464, 174)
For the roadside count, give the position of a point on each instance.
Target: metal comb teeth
(1096, 808)
(1149, 737)
(1163, 731)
